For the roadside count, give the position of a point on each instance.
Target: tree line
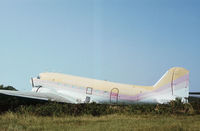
(2, 87)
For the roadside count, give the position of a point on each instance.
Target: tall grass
(61, 109)
(14, 121)
(42, 108)
(59, 116)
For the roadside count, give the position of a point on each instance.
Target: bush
(7, 88)
(61, 109)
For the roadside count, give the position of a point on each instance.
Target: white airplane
(72, 89)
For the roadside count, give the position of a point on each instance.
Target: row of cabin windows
(89, 91)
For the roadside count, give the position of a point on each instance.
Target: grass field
(49, 116)
(13, 121)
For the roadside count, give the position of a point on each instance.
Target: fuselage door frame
(114, 94)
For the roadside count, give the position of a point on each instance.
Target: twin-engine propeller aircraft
(72, 89)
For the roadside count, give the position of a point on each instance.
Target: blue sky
(126, 41)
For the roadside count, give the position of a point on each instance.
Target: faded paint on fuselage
(175, 83)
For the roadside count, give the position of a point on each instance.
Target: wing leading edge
(39, 96)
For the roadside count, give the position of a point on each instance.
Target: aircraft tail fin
(174, 84)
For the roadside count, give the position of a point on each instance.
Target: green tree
(7, 88)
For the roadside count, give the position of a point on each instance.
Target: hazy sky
(126, 41)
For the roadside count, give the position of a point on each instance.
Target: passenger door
(114, 94)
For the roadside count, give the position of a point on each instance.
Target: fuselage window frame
(89, 90)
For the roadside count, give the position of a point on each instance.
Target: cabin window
(89, 91)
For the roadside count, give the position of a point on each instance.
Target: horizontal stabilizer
(194, 93)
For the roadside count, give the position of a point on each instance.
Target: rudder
(174, 84)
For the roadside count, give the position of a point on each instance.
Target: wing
(39, 96)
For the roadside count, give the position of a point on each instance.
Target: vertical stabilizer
(174, 84)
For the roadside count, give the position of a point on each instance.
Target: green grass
(18, 114)
(175, 116)
(14, 121)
